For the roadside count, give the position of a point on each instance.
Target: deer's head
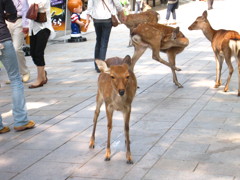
(119, 74)
(200, 22)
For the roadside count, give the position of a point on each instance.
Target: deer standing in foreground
(225, 44)
(117, 86)
(162, 38)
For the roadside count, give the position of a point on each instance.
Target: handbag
(41, 17)
(32, 12)
(115, 21)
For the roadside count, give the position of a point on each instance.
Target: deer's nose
(121, 92)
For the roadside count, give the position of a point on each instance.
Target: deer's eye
(127, 77)
(112, 77)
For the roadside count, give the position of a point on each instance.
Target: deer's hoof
(91, 146)
(225, 89)
(178, 69)
(129, 162)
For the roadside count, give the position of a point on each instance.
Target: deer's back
(221, 39)
(135, 19)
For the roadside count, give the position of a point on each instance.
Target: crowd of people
(14, 26)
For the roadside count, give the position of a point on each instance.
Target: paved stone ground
(188, 133)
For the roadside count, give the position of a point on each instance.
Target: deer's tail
(234, 44)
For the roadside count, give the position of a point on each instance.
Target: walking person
(9, 60)
(172, 5)
(138, 6)
(210, 4)
(39, 33)
(18, 30)
(101, 16)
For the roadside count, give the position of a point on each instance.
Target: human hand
(25, 30)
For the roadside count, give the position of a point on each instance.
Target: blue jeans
(103, 29)
(171, 9)
(9, 61)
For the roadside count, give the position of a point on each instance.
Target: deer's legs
(99, 101)
(138, 52)
(109, 127)
(171, 59)
(156, 56)
(219, 62)
(238, 62)
(127, 139)
(230, 68)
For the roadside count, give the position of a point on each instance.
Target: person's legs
(18, 40)
(103, 30)
(210, 3)
(137, 6)
(106, 30)
(98, 31)
(168, 12)
(38, 44)
(9, 60)
(174, 15)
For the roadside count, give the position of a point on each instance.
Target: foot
(8, 82)
(29, 125)
(32, 86)
(46, 79)
(26, 77)
(4, 130)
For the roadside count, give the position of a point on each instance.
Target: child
(75, 6)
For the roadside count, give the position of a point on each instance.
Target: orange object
(27, 39)
(73, 4)
(83, 29)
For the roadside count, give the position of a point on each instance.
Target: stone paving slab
(189, 133)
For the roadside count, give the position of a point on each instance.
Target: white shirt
(44, 6)
(97, 9)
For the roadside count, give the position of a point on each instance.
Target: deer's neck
(208, 31)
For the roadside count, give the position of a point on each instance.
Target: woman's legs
(38, 44)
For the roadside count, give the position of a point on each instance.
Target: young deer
(162, 38)
(225, 44)
(116, 87)
(133, 20)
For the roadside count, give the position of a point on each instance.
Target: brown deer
(225, 44)
(117, 86)
(162, 38)
(133, 20)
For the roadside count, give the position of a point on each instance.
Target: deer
(159, 38)
(225, 44)
(133, 20)
(117, 86)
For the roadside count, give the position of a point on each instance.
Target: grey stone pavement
(176, 133)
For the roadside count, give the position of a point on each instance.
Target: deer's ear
(102, 66)
(125, 66)
(127, 60)
(204, 14)
(175, 32)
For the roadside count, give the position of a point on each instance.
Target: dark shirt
(7, 12)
